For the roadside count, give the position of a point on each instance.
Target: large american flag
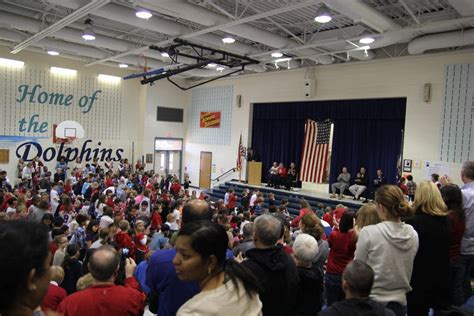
(315, 151)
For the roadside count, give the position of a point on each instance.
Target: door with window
(168, 156)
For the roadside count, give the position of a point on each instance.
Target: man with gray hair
(247, 243)
(467, 242)
(357, 281)
(305, 249)
(274, 268)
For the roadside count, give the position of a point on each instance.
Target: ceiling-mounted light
(277, 55)
(228, 39)
(280, 60)
(323, 15)
(53, 53)
(88, 33)
(165, 54)
(11, 63)
(143, 14)
(123, 66)
(211, 65)
(63, 71)
(366, 38)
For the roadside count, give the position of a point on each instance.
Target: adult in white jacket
(389, 248)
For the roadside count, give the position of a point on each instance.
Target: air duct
(443, 40)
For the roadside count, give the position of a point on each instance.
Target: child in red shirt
(123, 238)
(141, 239)
(55, 294)
(156, 220)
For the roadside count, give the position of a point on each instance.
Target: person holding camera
(104, 297)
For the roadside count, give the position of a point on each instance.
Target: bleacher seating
(293, 197)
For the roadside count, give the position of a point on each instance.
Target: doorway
(168, 157)
(205, 170)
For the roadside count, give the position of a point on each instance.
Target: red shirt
(175, 188)
(297, 219)
(156, 220)
(404, 188)
(457, 231)
(342, 247)
(282, 172)
(328, 218)
(124, 240)
(140, 246)
(54, 296)
(105, 299)
(232, 201)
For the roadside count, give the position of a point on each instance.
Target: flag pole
(240, 169)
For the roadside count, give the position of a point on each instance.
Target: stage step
(293, 197)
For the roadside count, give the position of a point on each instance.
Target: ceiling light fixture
(366, 38)
(123, 66)
(279, 60)
(323, 15)
(88, 33)
(143, 14)
(165, 54)
(228, 39)
(53, 53)
(108, 78)
(277, 55)
(212, 65)
(63, 71)
(11, 63)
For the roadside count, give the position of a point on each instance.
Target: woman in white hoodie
(389, 248)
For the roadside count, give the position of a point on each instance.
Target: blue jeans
(333, 288)
(397, 308)
(466, 264)
(456, 279)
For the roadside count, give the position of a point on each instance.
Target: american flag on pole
(315, 151)
(240, 153)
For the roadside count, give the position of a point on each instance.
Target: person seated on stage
(290, 176)
(273, 175)
(342, 183)
(360, 184)
(378, 182)
(281, 174)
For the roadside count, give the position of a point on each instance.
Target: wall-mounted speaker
(309, 86)
(238, 100)
(427, 92)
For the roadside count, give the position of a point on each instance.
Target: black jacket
(310, 291)
(278, 275)
(357, 307)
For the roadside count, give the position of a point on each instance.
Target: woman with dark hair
(452, 197)
(25, 265)
(47, 220)
(389, 248)
(342, 247)
(72, 268)
(92, 232)
(226, 286)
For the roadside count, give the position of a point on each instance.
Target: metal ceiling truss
(203, 56)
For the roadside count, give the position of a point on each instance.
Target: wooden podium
(254, 175)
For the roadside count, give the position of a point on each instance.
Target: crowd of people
(106, 240)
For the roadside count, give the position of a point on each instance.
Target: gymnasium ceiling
(259, 27)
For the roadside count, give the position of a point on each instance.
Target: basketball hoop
(65, 141)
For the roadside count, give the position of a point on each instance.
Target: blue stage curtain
(366, 133)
